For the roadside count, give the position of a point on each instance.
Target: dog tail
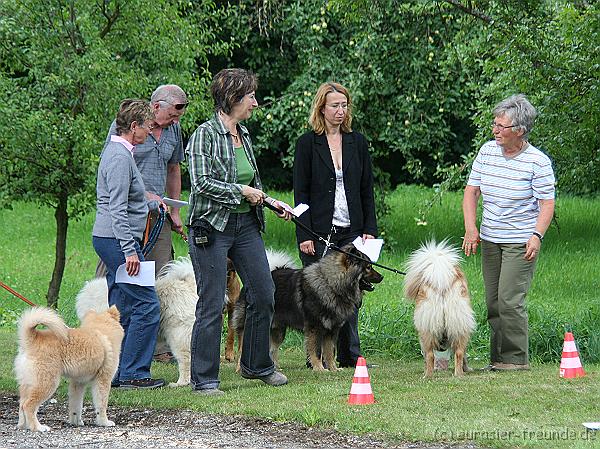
(181, 269)
(433, 264)
(93, 296)
(35, 316)
(280, 259)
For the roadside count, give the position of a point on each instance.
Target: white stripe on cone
(361, 389)
(569, 346)
(570, 362)
(361, 371)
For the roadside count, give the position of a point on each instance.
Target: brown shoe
(509, 367)
(165, 357)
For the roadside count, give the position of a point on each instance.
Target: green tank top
(245, 176)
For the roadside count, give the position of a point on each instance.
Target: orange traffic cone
(570, 365)
(361, 392)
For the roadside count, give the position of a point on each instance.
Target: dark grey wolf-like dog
(316, 300)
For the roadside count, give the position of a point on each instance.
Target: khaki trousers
(507, 278)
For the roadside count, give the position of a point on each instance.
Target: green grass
(496, 410)
(528, 409)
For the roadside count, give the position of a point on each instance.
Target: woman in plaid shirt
(225, 219)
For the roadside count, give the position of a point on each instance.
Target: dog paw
(76, 422)
(41, 428)
(105, 423)
(178, 384)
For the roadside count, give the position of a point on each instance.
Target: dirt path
(144, 429)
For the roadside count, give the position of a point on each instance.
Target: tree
(64, 67)
(412, 97)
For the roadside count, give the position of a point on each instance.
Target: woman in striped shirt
(516, 183)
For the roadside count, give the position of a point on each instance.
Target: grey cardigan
(121, 207)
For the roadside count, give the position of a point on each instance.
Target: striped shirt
(215, 191)
(510, 190)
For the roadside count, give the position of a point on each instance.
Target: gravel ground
(144, 429)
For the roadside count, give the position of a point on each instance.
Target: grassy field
(533, 409)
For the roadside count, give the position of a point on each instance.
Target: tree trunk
(62, 223)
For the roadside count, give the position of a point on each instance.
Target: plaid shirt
(213, 174)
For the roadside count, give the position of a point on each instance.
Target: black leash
(327, 243)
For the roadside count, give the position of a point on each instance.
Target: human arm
(470, 199)
(117, 170)
(210, 167)
(532, 247)
(367, 195)
(174, 192)
(302, 189)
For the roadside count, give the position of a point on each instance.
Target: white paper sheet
(296, 211)
(174, 203)
(371, 247)
(299, 209)
(145, 277)
(592, 425)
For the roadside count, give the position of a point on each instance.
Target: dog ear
(114, 312)
(345, 260)
(230, 266)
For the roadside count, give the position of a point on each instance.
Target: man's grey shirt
(152, 157)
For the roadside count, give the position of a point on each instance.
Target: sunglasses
(178, 106)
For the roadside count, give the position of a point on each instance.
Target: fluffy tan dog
(443, 315)
(176, 289)
(88, 355)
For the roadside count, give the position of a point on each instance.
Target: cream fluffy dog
(88, 355)
(176, 289)
(443, 315)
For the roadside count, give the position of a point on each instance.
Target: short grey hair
(520, 111)
(167, 95)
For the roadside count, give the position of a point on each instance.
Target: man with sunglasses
(158, 160)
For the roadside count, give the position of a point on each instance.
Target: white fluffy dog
(176, 289)
(443, 315)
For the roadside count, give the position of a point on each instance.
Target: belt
(338, 229)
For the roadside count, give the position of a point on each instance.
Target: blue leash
(154, 233)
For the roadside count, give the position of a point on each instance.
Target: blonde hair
(317, 120)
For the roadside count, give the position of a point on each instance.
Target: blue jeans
(241, 240)
(140, 312)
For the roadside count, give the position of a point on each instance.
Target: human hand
(470, 242)
(308, 247)
(283, 209)
(366, 237)
(532, 248)
(177, 224)
(132, 265)
(252, 195)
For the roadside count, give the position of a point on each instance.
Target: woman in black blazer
(334, 176)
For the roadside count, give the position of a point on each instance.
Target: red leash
(18, 295)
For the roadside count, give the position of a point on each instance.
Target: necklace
(335, 142)
(235, 136)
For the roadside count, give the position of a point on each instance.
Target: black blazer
(314, 183)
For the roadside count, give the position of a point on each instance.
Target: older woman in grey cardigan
(121, 213)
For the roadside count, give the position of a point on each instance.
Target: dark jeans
(241, 240)
(348, 344)
(139, 308)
